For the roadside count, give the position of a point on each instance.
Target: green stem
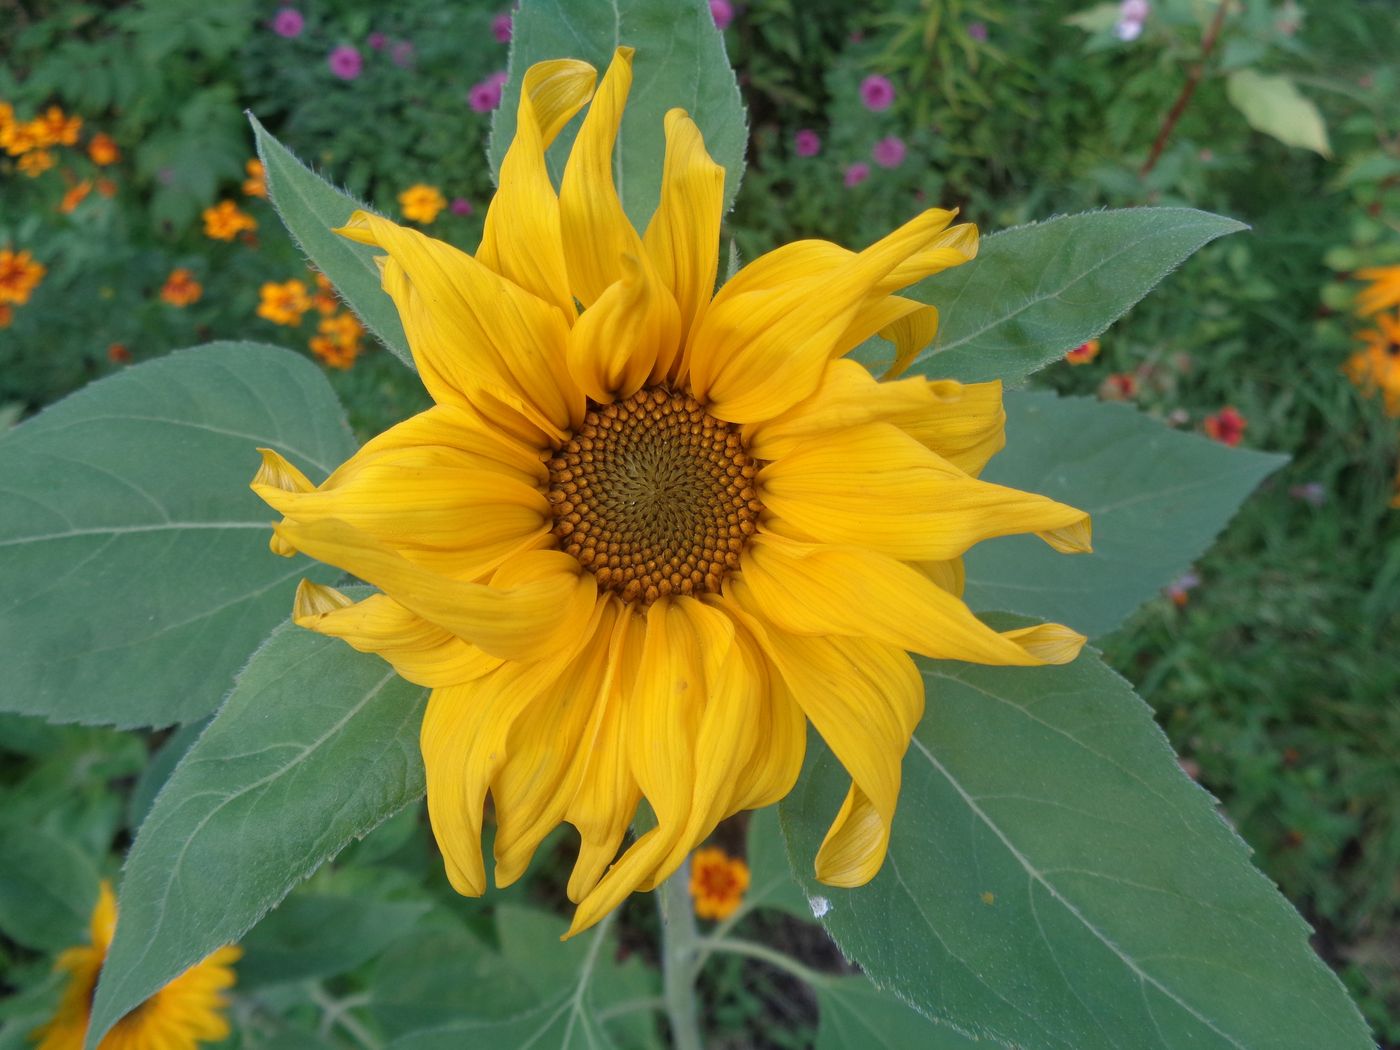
(765, 954)
(679, 959)
(336, 1013)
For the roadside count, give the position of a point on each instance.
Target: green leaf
(47, 889)
(1035, 291)
(135, 576)
(316, 745)
(1055, 881)
(1158, 498)
(1097, 19)
(852, 1012)
(680, 61)
(771, 881)
(311, 936)
(157, 771)
(1273, 105)
(310, 208)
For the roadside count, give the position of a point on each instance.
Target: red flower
(1226, 426)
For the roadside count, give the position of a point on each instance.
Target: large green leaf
(680, 61)
(1055, 881)
(1035, 291)
(852, 1012)
(771, 881)
(135, 577)
(1158, 498)
(310, 208)
(47, 889)
(315, 746)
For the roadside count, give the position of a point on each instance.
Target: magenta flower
(500, 27)
(288, 22)
(377, 41)
(977, 30)
(807, 143)
(402, 54)
(889, 151)
(486, 96)
(345, 62)
(876, 92)
(722, 12)
(856, 174)
(461, 206)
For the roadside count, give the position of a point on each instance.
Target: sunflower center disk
(654, 496)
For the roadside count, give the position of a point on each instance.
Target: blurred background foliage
(1273, 665)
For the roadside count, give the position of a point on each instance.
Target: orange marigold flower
(118, 354)
(1083, 353)
(284, 303)
(180, 288)
(224, 221)
(1382, 292)
(337, 342)
(20, 274)
(102, 150)
(16, 137)
(255, 185)
(75, 196)
(1375, 369)
(717, 883)
(1227, 426)
(1120, 386)
(421, 203)
(324, 297)
(36, 163)
(54, 128)
(107, 187)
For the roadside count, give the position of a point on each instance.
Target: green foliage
(47, 888)
(680, 61)
(1274, 106)
(1055, 880)
(137, 577)
(1157, 499)
(315, 746)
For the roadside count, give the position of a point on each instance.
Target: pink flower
(377, 41)
(288, 22)
(461, 206)
(856, 174)
(486, 96)
(402, 54)
(500, 27)
(722, 12)
(889, 151)
(807, 143)
(977, 30)
(876, 92)
(345, 62)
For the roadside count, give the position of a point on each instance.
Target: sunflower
(1382, 290)
(648, 530)
(1375, 369)
(186, 1012)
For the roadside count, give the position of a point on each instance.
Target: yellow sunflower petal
(472, 331)
(421, 652)
(595, 229)
(828, 590)
(761, 347)
(682, 238)
(874, 486)
(533, 602)
(626, 336)
(521, 240)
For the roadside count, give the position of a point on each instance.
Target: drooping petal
(521, 240)
(908, 324)
(421, 652)
(762, 347)
(874, 486)
(595, 228)
(472, 332)
(864, 697)
(682, 238)
(964, 423)
(818, 591)
(534, 602)
(625, 337)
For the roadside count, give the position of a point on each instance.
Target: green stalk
(680, 959)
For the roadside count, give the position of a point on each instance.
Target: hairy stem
(680, 959)
(1188, 90)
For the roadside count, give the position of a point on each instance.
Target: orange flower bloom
(102, 150)
(255, 185)
(36, 163)
(1375, 369)
(118, 354)
(717, 883)
(7, 315)
(337, 343)
(1120, 386)
(180, 288)
(107, 187)
(324, 297)
(19, 276)
(1227, 426)
(421, 203)
(1383, 291)
(284, 303)
(75, 196)
(53, 128)
(225, 221)
(16, 137)
(1083, 353)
